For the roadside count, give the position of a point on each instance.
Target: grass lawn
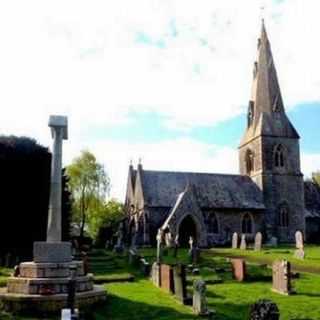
(139, 299)
(311, 263)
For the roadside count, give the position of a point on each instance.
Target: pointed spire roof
(266, 115)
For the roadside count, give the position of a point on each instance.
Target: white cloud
(177, 155)
(81, 58)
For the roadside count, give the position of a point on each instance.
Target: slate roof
(312, 199)
(161, 189)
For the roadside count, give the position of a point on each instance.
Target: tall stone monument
(54, 250)
(41, 286)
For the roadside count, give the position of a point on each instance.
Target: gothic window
(246, 224)
(213, 223)
(279, 160)
(249, 161)
(283, 216)
(250, 112)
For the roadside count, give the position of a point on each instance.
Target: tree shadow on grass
(118, 308)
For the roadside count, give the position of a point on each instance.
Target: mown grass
(231, 300)
(311, 263)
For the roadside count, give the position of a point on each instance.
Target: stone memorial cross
(59, 132)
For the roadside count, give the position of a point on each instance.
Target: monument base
(43, 288)
(33, 304)
(54, 252)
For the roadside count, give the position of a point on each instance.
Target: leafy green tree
(104, 223)
(89, 184)
(316, 177)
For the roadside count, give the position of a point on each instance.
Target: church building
(267, 196)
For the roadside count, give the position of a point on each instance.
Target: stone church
(267, 196)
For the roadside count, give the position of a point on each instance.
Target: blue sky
(167, 81)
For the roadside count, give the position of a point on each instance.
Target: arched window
(246, 224)
(283, 216)
(213, 223)
(279, 160)
(249, 161)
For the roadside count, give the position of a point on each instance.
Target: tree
(89, 184)
(316, 177)
(104, 223)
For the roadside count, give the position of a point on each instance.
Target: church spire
(266, 94)
(266, 112)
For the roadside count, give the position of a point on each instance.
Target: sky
(164, 81)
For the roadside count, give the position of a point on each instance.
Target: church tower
(269, 151)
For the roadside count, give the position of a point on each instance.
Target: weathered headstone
(159, 246)
(119, 247)
(156, 274)
(235, 240)
(200, 306)
(194, 252)
(274, 241)
(299, 253)
(258, 241)
(176, 246)
(281, 277)
(180, 282)
(145, 267)
(238, 269)
(264, 310)
(133, 257)
(167, 278)
(243, 244)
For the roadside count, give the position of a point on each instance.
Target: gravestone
(258, 241)
(167, 278)
(281, 277)
(156, 274)
(180, 282)
(274, 241)
(133, 257)
(264, 310)
(243, 244)
(145, 267)
(235, 240)
(194, 252)
(200, 306)
(176, 246)
(159, 246)
(119, 247)
(299, 253)
(238, 269)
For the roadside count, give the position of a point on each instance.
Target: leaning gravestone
(299, 253)
(258, 241)
(200, 306)
(264, 310)
(235, 240)
(281, 277)
(238, 269)
(243, 244)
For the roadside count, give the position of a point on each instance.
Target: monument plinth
(42, 285)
